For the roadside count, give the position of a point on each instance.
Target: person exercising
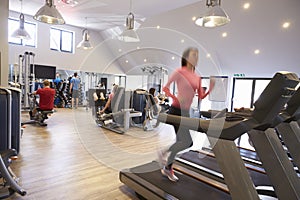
(156, 99)
(107, 108)
(187, 82)
(47, 95)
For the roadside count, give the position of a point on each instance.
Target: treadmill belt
(248, 154)
(186, 188)
(258, 178)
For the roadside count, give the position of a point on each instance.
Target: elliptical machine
(36, 115)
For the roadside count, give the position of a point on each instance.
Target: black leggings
(183, 136)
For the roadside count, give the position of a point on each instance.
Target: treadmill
(204, 161)
(288, 131)
(147, 180)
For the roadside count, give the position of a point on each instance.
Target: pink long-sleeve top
(187, 83)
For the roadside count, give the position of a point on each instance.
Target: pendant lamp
(49, 14)
(21, 32)
(85, 43)
(129, 34)
(214, 17)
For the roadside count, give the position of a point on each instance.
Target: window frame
(61, 31)
(22, 43)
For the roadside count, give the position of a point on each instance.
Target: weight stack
(139, 104)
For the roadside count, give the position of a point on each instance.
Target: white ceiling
(102, 14)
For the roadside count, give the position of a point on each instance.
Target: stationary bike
(40, 115)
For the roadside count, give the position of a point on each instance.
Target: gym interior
(105, 141)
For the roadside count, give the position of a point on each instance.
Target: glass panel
(117, 80)
(12, 26)
(205, 104)
(55, 39)
(260, 85)
(242, 93)
(123, 80)
(67, 41)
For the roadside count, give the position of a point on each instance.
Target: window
(13, 24)
(120, 80)
(246, 91)
(61, 40)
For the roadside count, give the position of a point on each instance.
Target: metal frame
(290, 133)
(276, 163)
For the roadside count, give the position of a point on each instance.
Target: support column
(4, 43)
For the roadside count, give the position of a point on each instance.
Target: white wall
(136, 82)
(67, 61)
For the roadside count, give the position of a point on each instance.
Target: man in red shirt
(47, 95)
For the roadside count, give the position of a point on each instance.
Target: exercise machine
(288, 127)
(122, 113)
(9, 184)
(288, 131)
(152, 111)
(149, 183)
(40, 116)
(10, 124)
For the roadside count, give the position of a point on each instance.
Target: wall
(136, 82)
(3, 43)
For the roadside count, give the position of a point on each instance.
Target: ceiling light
(129, 35)
(224, 34)
(137, 47)
(85, 43)
(246, 6)
(158, 27)
(126, 61)
(194, 18)
(173, 58)
(145, 60)
(208, 55)
(182, 41)
(286, 24)
(214, 17)
(49, 14)
(21, 32)
(257, 51)
(120, 50)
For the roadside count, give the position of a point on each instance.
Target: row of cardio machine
(10, 133)
(226, 171)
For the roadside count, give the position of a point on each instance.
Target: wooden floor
(73, 158)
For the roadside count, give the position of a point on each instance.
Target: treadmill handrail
(267, 107)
